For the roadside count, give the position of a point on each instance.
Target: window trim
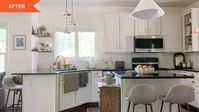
(6, 51)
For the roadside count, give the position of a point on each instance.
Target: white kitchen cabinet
(67, 100)
(112, 32)
(172, 33)
(154, 26)
(148, 27)
(84, 93)
(141, 27)
(119, 32)
(126, 40)
(96, 77)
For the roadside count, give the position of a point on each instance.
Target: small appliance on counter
(147, 61)
(179, 61)
(119, 65)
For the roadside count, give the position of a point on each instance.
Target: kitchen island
(43, 90)
(161, 80)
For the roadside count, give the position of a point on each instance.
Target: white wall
(92, 19)
(17, 24)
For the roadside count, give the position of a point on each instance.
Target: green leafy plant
(42, 28)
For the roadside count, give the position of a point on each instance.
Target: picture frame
(19, 42)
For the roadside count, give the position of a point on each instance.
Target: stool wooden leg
(170, 107)
(128, 107)
(151, 107)
(188, 108)
(179, 109)
(162, 106)
(146, 108)
(6, 105)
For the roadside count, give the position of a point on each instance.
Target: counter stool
(142, 94)
(13, 84)
(180, 95)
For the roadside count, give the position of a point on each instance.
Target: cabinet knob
(193, 82)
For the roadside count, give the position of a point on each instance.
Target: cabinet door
(171, 30)
(126, 33)
(67, 100)
(96, 77)
(154, 26)
(112, 33)
(83, 94)
(141, 27)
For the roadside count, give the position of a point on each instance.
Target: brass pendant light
(72, 22)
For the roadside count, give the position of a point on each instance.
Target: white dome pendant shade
(147, 9)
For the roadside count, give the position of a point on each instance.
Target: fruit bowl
(144, 69)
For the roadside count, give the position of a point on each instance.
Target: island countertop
(155, 75)
(57, 72)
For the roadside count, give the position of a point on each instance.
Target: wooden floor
(83, 110)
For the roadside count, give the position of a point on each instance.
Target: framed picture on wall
(19, 42)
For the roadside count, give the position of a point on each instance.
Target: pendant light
(72, 22)
(147, 9)
(66, 12)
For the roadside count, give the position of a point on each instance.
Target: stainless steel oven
(148, 43)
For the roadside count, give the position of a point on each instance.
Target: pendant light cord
(66, 17)
(72, 9)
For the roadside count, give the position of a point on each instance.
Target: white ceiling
(163, 3)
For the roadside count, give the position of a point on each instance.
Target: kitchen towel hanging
(71, 82)
(83, 79)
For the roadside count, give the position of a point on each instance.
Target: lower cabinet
(82, 95)
(109, 99)
(67, 100)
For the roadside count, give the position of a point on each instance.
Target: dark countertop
(156, 75)
(189, 70)
(57, 72)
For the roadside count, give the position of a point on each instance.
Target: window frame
(6, 50)
(77, 45)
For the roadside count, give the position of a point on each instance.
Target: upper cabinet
(172, 33)
(148, 27)
(190, 23)
(119, 32)
(112, 32)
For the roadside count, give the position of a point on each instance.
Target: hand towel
(71, 82)
(83, 79)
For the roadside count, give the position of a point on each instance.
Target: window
(3, 33)
(76, 44)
